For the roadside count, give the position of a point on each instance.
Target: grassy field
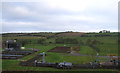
(109, 46)
(86, 50)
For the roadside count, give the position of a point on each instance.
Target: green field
(108, 45)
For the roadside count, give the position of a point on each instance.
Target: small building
(12, 45)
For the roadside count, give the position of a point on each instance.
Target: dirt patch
(60, 49)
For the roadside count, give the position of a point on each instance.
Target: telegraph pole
(7, 45)
(43, 57)
(97, 56)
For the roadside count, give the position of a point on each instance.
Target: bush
(41, 41)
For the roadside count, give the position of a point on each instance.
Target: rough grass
(28, 57)
(57, 57)
(13, 65)
(86, 50)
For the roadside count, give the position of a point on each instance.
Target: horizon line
(54, 31)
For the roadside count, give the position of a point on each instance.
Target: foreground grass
(13, 65)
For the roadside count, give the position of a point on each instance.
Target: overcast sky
(60, 15)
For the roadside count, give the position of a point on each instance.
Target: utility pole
(7, 45)
(97, 58)
(35, 63)
(43, 57)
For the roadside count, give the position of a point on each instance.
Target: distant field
(22, 37)
(108, 45)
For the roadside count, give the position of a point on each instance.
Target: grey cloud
(43, 18)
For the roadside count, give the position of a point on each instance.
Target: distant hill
(69, 34)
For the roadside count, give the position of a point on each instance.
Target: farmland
(107, 44)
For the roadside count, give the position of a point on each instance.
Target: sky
(60, 16)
